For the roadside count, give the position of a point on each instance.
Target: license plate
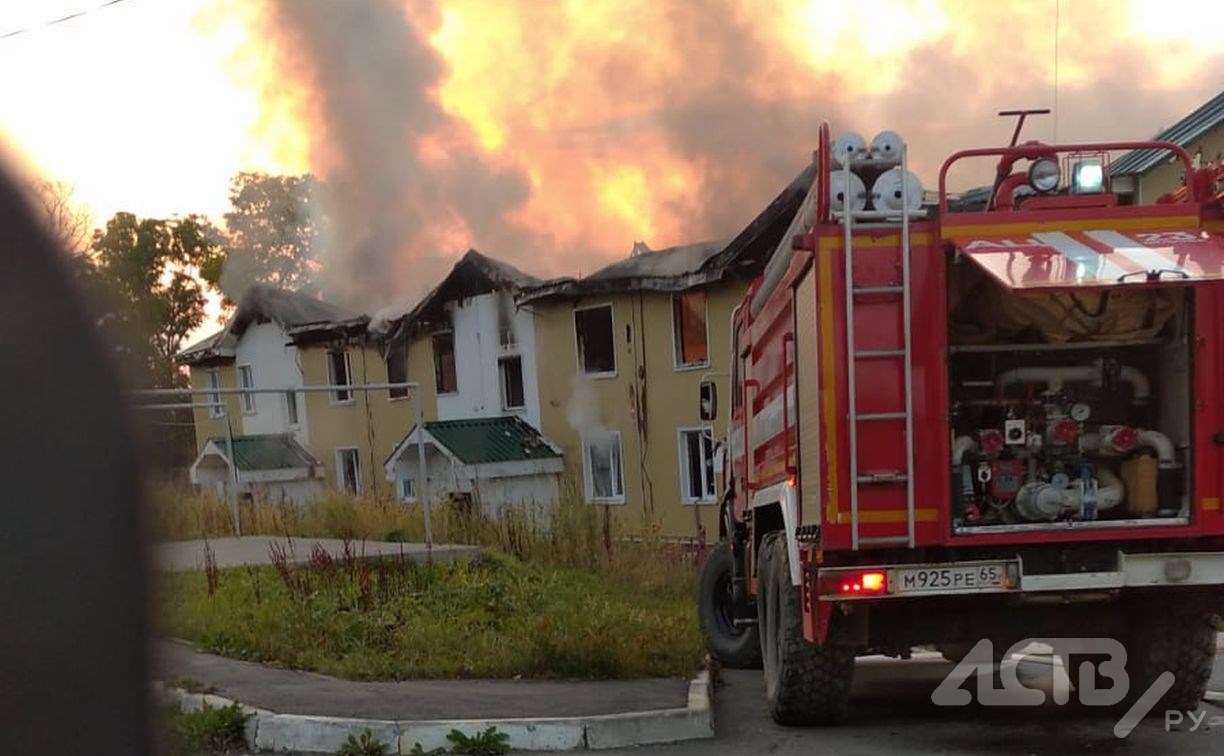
(966, 578)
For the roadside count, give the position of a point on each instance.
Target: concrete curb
(270, 731)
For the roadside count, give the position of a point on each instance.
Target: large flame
(554, 134)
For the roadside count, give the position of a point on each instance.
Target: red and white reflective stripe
(1149, 258)
(1090, 262)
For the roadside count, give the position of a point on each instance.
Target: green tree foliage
(149, 278)
(273, 230)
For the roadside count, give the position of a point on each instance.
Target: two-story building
(1143, 176)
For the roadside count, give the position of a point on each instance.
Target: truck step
(883, 540)
(881, 416)
(867, 354)
(884, 477)
(878, 290)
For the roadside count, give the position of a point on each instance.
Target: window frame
(403, 495)
(396, 395)
(589, 478)
(214, 382)
(683, 462)
(334, 396)
(437, 373)
(677, 351)
(246, 380)
(578, 343)
(501, 382)
(293, 417)
(356, 490)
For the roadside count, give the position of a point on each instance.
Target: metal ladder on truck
(853, 295)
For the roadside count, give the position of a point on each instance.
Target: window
(291, 408)
(697, 466)
(596, 352)
(445, 380)
(214, 382)
(348, 470)
(407, 489)
(605, 480)
(511, 370)
(689, 329)
(397, 369)
(338, 374)
(247, 381)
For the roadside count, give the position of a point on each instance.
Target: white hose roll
(850, 145)
(886, 192)
(887, 146)
(838, 192)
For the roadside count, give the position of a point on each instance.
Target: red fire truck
(995, 416)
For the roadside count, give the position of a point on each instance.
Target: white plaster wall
(477, 350)
(274, 363)
(535, 493)
(438, 468)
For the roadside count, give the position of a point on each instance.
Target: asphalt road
(892, 712)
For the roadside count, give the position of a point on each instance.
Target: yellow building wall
(1167, 176)
(213, 427)
(650, 451)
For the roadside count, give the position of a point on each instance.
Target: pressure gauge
(1080, 412)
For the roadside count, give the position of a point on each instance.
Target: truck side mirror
(709, 401)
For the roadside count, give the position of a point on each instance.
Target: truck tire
(1177, 640)
(737, 647)
(805, 683)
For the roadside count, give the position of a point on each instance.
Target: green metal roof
(492, 439)
(276, 451)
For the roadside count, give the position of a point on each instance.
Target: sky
(555, 133)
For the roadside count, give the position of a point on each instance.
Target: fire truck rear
(994, 416)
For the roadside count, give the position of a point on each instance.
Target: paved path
(891, 713)
(183, 556)
(293, 692)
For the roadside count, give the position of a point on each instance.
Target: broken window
(338, 374)
(291, 408)
(407, 490)
(511, 370)
(445, 380)
(689, 328)
(697, 466)
(247, 381)
(397, 369)
(596, 352)
(214, 382)
(605, 481)
(348, 470)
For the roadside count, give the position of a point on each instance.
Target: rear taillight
(858, 583)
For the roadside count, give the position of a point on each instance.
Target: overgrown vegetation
(395, 619)
(491, 742)
(206, 730)
(364, 744)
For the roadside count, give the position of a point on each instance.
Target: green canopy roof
(492, 439)
(278, 451)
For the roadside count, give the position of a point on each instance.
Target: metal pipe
(187, 405)
(962, 446)
(233, 497)
(848, 244)
(1054, 377)
(422, 480)
(280, 390)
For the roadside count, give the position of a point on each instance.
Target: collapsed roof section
(303, 318)
(473, 275)
(691, 265)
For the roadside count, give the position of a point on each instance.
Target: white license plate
(966, 578)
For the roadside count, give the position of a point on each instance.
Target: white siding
(477, 350)
(274, 363)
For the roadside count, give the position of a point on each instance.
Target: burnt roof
(751, 249)
(474, 274)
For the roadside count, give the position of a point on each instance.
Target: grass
(207, 730)
(498, 616)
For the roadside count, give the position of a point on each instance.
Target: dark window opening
(596, 353)
(689, 326)
(511, 369)
(338, 369)
(397, 369)
(445, 379)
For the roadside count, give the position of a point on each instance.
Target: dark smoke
(372, 76)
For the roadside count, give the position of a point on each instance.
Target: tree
(69, 224)
(153, 276)
(273, 230)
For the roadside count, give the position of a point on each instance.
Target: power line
(62, 19)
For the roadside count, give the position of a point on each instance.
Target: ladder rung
(883, 540)
(881, 416)
(878, 290)
(864, 354)
(889, 477)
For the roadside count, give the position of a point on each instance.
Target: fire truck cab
(993, 416)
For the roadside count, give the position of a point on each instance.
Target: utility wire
(62, 19)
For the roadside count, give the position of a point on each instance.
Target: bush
(212, 729)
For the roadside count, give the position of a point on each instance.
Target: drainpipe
(229, 449)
